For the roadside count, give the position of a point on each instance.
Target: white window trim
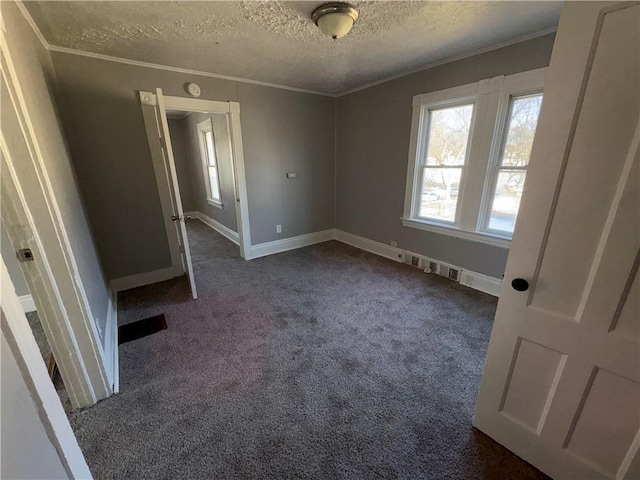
(207, 126)
(491, 98)
(214, 203)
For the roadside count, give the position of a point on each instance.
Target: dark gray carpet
(321, 363)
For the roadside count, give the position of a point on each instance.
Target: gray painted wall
(36, 75)
(373, 147)
(283, 131)
(227, 214)
(11, 261)
(288, 132)
(181, 156)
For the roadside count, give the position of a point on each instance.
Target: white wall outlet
(278, 228)
(394, 244)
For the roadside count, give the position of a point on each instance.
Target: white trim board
(84, 374)
(392, 253)
(111, 342)
(469, 278)
(28, 305)
(142, 279)
(188, 71)
(15, 328)
(215, 225)
(455, 58)
(475, 280)
(292, 243)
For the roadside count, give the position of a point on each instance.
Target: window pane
(211, 154)
(439, 197)
(213, 179)
(506, 201)
(522, 127)
(448, 135)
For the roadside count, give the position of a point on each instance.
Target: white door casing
(33, 220)
(561, 386)
(232, 112)
(174, 190)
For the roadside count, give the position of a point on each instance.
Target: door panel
(597, 155)
(561, 386)
(174, 190)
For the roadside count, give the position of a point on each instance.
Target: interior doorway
(197, 152)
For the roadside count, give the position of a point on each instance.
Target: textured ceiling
(276, 41)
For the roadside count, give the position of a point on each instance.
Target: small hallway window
(210, 162)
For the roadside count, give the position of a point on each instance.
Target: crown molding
(109, 58)
(27, 16)
(444, 61)
(188, 71)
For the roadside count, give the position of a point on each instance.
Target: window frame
(422, 151)
(204, 127)
(499, 142)
(491, 98)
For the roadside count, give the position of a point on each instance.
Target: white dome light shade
(335, 25)
(335, 19)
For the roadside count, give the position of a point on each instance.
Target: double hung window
(469, 153)
(209, 162)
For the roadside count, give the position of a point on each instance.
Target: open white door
(561, 383)
(176, 202)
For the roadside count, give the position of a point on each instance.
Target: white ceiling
(277, 42)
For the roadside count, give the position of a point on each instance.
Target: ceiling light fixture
(335, 19)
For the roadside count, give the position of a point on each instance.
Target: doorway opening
(196, 148)
(12, 260)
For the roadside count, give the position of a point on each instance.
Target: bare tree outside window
(448, 142)
(514, 159)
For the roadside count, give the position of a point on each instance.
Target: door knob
(520, 284)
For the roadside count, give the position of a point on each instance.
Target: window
(209, 162)
(511, 170)
(447, 149)
(470, 149)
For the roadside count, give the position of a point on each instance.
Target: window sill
(487, 238)
(214, 203)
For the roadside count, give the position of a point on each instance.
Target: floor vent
(430, 266)
(454, 274)
(442, 270)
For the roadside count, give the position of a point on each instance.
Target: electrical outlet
(394, 244)
(278, 228)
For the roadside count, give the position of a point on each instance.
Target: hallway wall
(283, 131)
(182, 157)
(36, 75)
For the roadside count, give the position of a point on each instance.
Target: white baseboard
(278, 246)
(111, 343)
(484, 283)
(475, 280)
(217, 226)
(28, 305)
(142, 279)
(368, 245)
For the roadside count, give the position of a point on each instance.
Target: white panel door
(561, 386)
(176, 201)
